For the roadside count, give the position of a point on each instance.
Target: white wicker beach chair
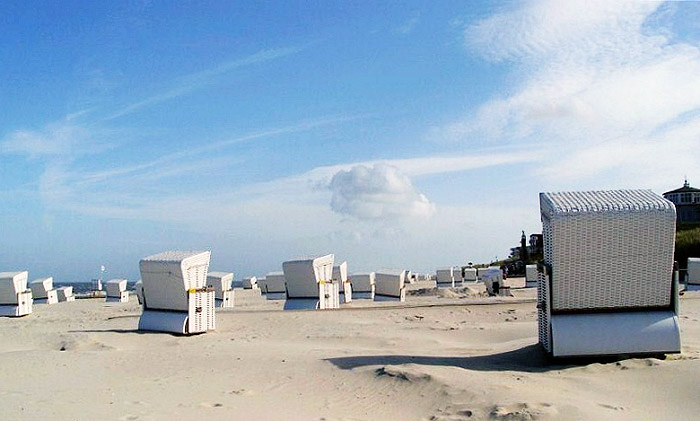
(274, 286)
(457, 276)
(65, 294)
(340, 277)
(310, 285)
(250, 282)
(222, 283)
(43, 292)
(389, 285)
(445, 278)
(15, 298)
(175, 293)
(607, 285)
(531, 276)
(116, 291)
(363, 286)
(470, 275)
(692, 282)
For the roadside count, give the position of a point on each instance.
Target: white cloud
(380, 192)
(61, 138)
(598, 85)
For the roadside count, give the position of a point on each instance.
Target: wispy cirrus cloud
(190, 83)
(598, 83)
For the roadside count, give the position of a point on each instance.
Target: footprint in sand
(613, 407)
(523, 411)
(211, 405)
(242, 392)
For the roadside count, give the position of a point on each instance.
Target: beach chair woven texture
(608, 249)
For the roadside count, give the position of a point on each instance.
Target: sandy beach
(433, 358)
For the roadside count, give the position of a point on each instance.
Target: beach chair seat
(116, 291)
(222, 283)
(43, 291)
(363, 286)
(470, 275)
(176, 298)
(310, 284)
(15, 298)
(606, 286)
(389, 285)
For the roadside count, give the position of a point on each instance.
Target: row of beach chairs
(16, 299)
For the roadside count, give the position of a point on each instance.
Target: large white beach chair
(445, 278)
(65, 294)
(340, 277)
(43, 292)
(607, 286)
(116, 291)
(274, 286)
(530, 276)
(692, 282)
(310, 284)
(470, 275)
(223, 292)
(175, 293)
(15, 298)
(363, 286)
(389, 285)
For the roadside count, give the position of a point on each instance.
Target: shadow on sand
(531, 359)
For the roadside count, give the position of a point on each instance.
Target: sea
(81, 287)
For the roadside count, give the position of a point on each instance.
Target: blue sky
(394, 135)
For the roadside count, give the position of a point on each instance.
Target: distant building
(687, 201)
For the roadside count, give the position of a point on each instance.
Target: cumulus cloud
(378, 192)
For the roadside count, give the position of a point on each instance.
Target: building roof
(685, 189)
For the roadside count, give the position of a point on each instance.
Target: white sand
(435, 359)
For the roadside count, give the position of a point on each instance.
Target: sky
(393, 134)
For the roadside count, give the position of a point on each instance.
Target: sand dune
(432, 359)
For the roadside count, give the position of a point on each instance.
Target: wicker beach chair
(390, 285)
(274, 286)
(43, 292)
(606, 286)
(470, 275)
(222, 283)
(692, 282)
(531, 276)
(363, 286)
(15, 298)
(445, 278)
(175, 293)
(116, 291)
(65, 294)
(310, 285)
